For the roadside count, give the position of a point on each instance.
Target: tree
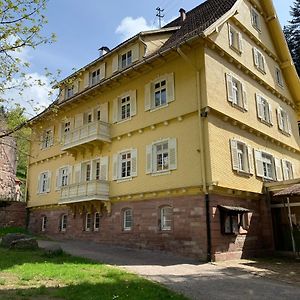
(21, 25)
(292, 34)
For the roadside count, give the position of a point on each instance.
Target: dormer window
(69, 91)
(95, 77)
(126, 59)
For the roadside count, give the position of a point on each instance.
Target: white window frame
(255, 19)
(161, 156)
(88, 222)
(130, 102)
(160, 90)
(44, 223)
(235, 39)
(63, 177)
(97, 222)
(63, 223)
(95, 76)
(279, 77)
(152, 156)
(125, 59)
(47, 138)
(70, 91)
(265, 165)
(259, 60)
(283, 120)
(119, 161)
(151, 89)
(288, 170)
(166, 213)
(127, 219)
(124, 102)
(44, 182)
(236, 92)
(264, 110)
(241, 153)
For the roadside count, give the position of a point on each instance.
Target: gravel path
(187, 276)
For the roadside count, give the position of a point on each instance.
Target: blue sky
(84, 26)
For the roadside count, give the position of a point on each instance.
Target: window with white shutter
(236, 92)
(160, 92)
(278, 77)
(125, 165)
(161, 156)
(241, 155)
(283, 120)
(47, 138)
(63, 176)
(264, 110)
(265, 165)
(44, 182)
(259, 60)
(287, 168)
(255, 19)
(235, 39)
(124, 107)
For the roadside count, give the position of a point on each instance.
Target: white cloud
(130, 26)
(35, 97)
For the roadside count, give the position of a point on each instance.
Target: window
(63, 223)
(244, 220)
(88, 222)
(255, 19)
(95, 77)
(44, 223)
(47, 138)
(284, 123)
(126, 59)
(264, 110)
(44, 182)
(259, 60)
(96, 221)
(67, 127)
(241, 155)
(98, 114)
(265, 165)
(278, 76)
(161, 156)
(166, 218)
(70, 91)
(235, 39)
(125, 165)
(97, 170)
(159, 92)
(127, 219)
(287, 168)
(62, 177)
(124, 107)
(229, 223)
(87, 172)
(236, 93)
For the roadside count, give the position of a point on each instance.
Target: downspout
(202, 151)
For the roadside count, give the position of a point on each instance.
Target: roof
(293, 190)
(198, 20)
(236, 209)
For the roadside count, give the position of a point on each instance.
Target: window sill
(265, 122)
(161, 173)
(239, 52)
(120, 180)
(242, 109)
(159, 107)
(244, 173)
(123, 121)
(261, 70)
(285, 133)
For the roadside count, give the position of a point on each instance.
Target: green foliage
(67, 277)
(6, 230)
(292, 34)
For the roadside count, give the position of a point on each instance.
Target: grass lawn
(33, 275)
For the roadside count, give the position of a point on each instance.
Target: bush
(6, 230)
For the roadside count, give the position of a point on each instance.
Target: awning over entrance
(293, 190)
(236, 209)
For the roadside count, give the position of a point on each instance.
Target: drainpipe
(202, 151)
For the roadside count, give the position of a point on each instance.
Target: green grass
(34, 275)
(6, 230)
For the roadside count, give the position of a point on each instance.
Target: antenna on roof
(159, 15)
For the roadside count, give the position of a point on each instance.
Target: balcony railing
(95, 131)
(85, 191)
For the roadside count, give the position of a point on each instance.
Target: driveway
(186, 276)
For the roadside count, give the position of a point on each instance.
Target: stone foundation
(13, 214)
(188, 236)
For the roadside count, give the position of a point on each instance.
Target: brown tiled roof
(293, 190)
(197, 20)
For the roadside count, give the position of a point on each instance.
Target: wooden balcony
(85, 191)
(87, 135)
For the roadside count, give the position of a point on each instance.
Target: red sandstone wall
(12, 214)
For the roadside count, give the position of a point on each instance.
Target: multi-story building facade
(165, 141)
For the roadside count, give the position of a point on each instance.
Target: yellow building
(165, 141)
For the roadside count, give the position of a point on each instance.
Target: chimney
(103, 50)
(182, 14)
